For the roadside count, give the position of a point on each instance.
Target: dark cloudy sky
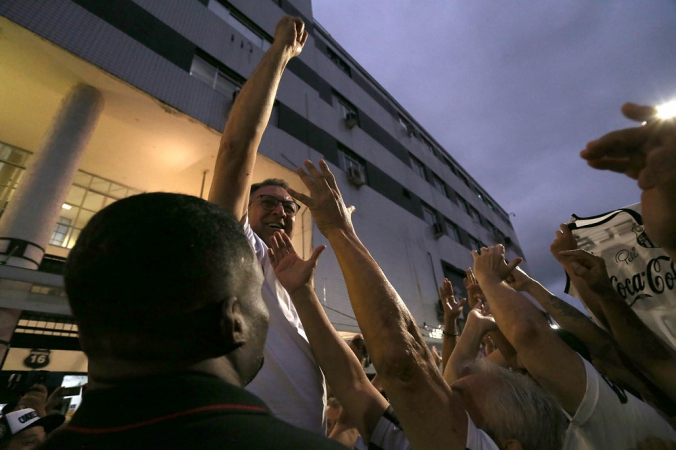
(514, 90)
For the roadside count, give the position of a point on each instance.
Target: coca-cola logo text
(660, 275)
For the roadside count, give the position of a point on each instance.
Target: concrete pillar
(9, 318)
(29, 220)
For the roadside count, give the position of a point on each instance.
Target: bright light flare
(66, 206)
(666, 110)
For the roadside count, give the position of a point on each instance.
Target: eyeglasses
(269, 203)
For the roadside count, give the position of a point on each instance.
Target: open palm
(293, 272)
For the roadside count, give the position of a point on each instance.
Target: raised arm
(648, 154)
(249, 118)
(362, 403)
(427, 409)
(557, 368)
(467, 348)
(646, 350)
(452, 310)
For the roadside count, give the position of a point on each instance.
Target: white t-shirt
(389, 436)
(290, 382)
(610, 418)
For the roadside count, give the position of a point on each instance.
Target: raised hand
(481, 318)
(293, 272)
(290, 33)
(452, 308)
(325, 201)
(564, 241)
(490, 264)
(591, 268)
(473, 290)
(35, 398)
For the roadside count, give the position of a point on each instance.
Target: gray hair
(521, 410)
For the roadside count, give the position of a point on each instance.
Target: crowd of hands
(503, 326)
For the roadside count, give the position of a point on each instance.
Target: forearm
(360, 400)
(386, 323)
(465, 352)
(448, 342)
(569, 318)
(636, 340)
(243, 132)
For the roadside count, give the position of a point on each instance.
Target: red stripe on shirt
(161, 419)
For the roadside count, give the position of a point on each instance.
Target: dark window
(428, 145)
(439, 185)
(337, 60)
(429, 214)
(417, 166)
(452, 231)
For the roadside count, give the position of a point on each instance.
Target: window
(87, 195)
(347, 110)
(337, 60)
(428, 145)
(349, 159)
(418, 167)
(439, 185)
(464, 205)
(491, 228)
(406, 125)
(240, 23)
(452, 231)
(474, 214)
(12, 166)
(450, 166)
(475, 244)
(429, 215)
(216, 78)
(463, 178)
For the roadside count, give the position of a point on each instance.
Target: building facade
(165, 74)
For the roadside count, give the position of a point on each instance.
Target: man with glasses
(290, 382)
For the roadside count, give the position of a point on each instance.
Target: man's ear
(232, 321)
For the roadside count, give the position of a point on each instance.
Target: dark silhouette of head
(167, 277)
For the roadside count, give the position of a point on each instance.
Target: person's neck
(106, 372)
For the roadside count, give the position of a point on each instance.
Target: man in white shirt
(290, 382)
(602, 415)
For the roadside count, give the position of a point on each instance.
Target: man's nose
(279, 210)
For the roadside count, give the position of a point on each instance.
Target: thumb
(513, 263)
(578, 269)
(315, 254)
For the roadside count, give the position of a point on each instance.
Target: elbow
(525, 333)
(402, 363)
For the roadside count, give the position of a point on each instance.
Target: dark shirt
(187, 411)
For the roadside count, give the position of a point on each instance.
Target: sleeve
(478, 439)
(388, 435)
(259, 247)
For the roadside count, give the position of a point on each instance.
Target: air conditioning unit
(409, 129)
(356, 176)
(350, 120)
(438, 230)
(508, 241)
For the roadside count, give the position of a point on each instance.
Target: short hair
(521, 410)
(148, 273)
(269, 182)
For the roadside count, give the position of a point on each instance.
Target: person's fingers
(475, 255)
(313, 171)
(619, 164)
(326, 172)
(273, 257)
(303, 39)
(304, 199)
(351, 209)
(578, 269)
(316, 253)
(462, 302)
(287, 243)
(639, 113)
(616, 143)
(513, 263)
(305, 178)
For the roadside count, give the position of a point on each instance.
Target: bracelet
(447, 334)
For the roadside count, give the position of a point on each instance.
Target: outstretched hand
(452, 308)
(291, 34)
(564, 241)
(490, 265)
(293, 272)
(325, 201)
(519, 280)
(481, 318)
(590, 268)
